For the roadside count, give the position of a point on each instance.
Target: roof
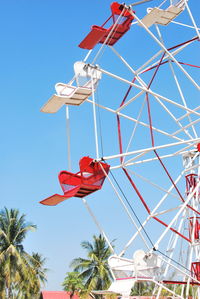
(57, 295)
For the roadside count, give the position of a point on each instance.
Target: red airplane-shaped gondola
(111, 35)
(89, 179)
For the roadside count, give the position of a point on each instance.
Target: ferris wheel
(146, 119)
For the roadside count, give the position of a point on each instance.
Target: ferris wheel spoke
(185, 25)
(169, 227)
(146, 125)
(184, 206)
(150, 149)
(191, 146)
(166, 58)
(130, 101)
(165, 211)
(169, 54)
(190, 162)
(142, 70)
(182, 129)
(98, 225)
(135, 127)
(188, 113)
(192, 19)
(143, 124)
(126, 209)
(182, 96)
(132, 161)
(148, 91)
(153, 184)
(187, 126)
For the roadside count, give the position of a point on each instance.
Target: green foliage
(94, 270)
(148, 289)
(142, 289)
(20, 273)
(180, 290)
(73, 283)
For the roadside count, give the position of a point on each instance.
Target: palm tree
(180, 290)
(94, 270)
(16, 266)
(31, 286)
(143, 289)
(73, 283)
(37, 262)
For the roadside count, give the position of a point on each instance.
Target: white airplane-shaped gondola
(86, 77)
(126, 272)
(163, 16)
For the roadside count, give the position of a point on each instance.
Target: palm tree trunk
(71, 294)
(10, 296)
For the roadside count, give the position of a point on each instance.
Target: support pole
(98, 225)
(68, 138)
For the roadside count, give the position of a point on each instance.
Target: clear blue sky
(39, 45)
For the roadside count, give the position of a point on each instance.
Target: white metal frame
(179, 142)
(184, 139)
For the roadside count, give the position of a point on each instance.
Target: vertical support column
(95, 121)
(68, 139)
(192, 180)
